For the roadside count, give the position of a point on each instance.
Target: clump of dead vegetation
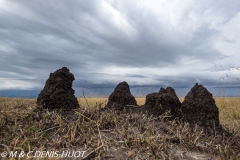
(109, 134)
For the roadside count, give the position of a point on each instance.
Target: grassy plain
(111, 135)
(229, 109)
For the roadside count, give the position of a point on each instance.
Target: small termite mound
(121, 97)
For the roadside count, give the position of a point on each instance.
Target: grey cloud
(130, 53)
(136, 75)
(47, 35)
(228, 40)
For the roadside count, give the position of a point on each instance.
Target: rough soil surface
(199, 108)
(57, 92)
(163, 101)
(169, 101)
(151, 99)
(121, 97)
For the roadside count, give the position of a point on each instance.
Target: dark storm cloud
(135, 75)
(38, 37)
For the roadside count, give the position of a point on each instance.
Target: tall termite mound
(57, 92)
(121, 97)
(199, 108)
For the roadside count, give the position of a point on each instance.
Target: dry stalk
(92, 152)
(85, 97)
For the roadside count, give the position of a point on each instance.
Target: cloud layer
(105, 42)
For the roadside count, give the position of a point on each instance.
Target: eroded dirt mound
(199, 108)
(169, 101)
(163, 101)
(151, 99)
(57, 92)
(121, 97)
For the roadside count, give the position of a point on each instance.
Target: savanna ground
(111, 135)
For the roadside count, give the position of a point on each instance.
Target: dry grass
(110, 135)
(229, 113)
(92, 102)
(229, 109)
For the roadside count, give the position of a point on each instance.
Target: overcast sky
(103, 42)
